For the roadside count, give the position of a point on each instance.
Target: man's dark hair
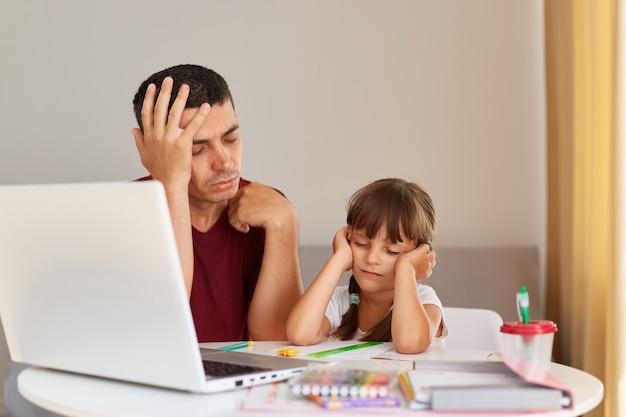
(205, 86)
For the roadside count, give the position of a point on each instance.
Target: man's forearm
(178, 202)
(279, 285)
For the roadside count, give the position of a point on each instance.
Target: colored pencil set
(338, 387)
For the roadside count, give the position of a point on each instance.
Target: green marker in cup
(523, 304)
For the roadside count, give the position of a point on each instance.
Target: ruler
(329, 352)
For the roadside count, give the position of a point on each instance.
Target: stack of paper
(511, 385)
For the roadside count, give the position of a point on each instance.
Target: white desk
(81, 396)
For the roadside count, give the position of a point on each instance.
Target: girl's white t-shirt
(339, 304)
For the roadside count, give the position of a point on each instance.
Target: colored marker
(522, 305)
(325, 353)
(237, 346)
(335, 403)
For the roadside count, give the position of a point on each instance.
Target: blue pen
(236, 346)
(522, 305)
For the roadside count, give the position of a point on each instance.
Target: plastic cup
(531, 342)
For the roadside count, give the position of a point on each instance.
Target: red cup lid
(535, 327)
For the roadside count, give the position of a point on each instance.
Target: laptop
(90, 282)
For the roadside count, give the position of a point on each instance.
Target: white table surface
(83, 396)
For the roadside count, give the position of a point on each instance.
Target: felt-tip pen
(236, 346)
(522, 305)
(335, 403)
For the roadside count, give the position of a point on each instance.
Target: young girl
(387, 246)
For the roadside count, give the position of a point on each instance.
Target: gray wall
(331, 94)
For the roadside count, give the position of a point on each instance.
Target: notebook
(90, 282)
(510, 385)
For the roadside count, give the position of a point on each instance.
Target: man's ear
(349, 233)
(138, 135)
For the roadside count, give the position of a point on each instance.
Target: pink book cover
(534, 374)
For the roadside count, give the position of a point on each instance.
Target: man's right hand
(164, 148)
(166, 151)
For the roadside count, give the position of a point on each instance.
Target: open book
(510, 385)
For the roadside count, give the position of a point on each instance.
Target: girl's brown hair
(401, 207)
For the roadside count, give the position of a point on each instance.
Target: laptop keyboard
(226, 369)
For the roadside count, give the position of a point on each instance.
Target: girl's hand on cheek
(422, 259)
(341, 246)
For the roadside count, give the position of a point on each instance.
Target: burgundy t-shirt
(226, 269)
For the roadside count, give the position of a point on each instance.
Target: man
(237, 240)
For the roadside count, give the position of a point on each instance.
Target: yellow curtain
(584, 285)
